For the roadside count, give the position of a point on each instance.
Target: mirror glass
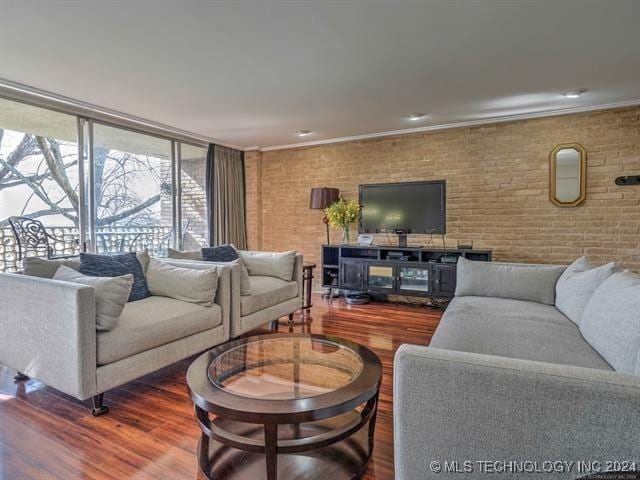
(568, 175)
(568, 168)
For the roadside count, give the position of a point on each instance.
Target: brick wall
(253, 188)
(497, 187)
(194, 203)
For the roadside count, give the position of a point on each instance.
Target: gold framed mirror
(568, 175)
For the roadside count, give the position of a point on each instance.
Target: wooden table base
(344, 460)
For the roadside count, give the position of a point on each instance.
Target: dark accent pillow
(222, 253)
(114, 266)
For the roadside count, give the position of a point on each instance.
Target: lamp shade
(323, 197)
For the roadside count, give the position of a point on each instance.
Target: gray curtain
(226, 196)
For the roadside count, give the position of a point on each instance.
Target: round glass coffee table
(285, 406)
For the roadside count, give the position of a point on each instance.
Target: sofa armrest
(49, 332)
(298, 273)
(458, 406)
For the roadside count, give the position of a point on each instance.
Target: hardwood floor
(150, 432)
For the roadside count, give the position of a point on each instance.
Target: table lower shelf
(344, 460)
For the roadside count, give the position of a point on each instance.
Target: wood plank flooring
(150, 432)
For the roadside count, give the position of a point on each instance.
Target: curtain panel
(226, 196)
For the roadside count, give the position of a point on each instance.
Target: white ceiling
(251, 73)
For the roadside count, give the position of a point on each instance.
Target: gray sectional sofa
(49, 326)
(508, 377)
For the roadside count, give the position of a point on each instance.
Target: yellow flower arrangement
(341, 214)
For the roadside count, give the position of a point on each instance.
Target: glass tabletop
(285, 368)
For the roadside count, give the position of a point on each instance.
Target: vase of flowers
(341, 214)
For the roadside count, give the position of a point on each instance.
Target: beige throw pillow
(112, 294)
(269, 264)
(182, 283)
(188, 255)
(245, 281)
(45, 268)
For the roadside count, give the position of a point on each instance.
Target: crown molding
(470, 123)
(41, 98)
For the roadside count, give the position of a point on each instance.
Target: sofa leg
(21, 377)
(273, 326)
(98, 407)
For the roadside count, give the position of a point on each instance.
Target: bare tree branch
(39, 213)
(56, 169)
(36, 190)
(22, 151)
(128, 213)
(13, 182)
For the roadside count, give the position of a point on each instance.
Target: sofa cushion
(270, 264)
(182, 283)
(611, 321)
(188, 255)
(517, 281)
(266, 292)
(152, 322)
(245, 280)
(229, 255)
(45, 268)
(577, 284)
(111, 294)
(116, 265)
(514, 329)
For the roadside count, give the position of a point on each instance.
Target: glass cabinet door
(380, 277)
(413, 279)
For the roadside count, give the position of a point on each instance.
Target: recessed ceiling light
(574, 93)
(303, 133)
(416, 116)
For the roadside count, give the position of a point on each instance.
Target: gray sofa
(508, 377)
(49, 333)
(270, 298)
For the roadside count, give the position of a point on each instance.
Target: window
(120, 198)
(133, 204)
(38, 177)
(194, 197)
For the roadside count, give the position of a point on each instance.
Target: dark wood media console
(389, 269)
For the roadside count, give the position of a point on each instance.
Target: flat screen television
(403, 208)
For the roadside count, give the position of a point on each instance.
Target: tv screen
(412, 207)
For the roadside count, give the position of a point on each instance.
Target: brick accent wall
(253, 205)
(497, 187)
(194, 203)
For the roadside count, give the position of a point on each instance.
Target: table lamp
(320, 199)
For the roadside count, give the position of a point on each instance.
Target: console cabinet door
(414, 279)
(444, 281)
(351, 273)
(379, 277)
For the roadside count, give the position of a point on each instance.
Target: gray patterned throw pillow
(117, 265)
(222, 253)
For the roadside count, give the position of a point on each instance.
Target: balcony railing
(110, 239)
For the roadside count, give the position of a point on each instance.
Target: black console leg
(290, 321)
(21, 377)
(98, 408)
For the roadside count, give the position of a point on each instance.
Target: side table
(307, 283)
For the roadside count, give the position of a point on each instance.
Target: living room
(291, 239)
